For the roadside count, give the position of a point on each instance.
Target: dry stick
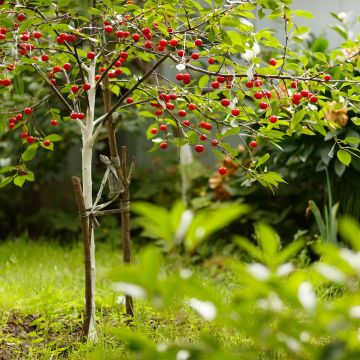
(125, 196)
(85, 228)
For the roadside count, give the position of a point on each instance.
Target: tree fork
(85, 228)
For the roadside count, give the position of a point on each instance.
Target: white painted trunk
(87, 151)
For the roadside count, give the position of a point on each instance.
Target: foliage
(265, 298)
(233, 90)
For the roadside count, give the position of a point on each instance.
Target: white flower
(133, 290)
(354, 312)
(306, 295)
(284, 269)
(330, 272)
(182, 355)
(258, 271)
(206, 309)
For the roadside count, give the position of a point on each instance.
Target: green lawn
(41, 302)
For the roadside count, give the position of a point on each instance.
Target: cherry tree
(200, 73)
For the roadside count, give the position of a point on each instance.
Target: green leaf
(6, 181)
(262, 160)
(350, 230)
(54, 137)
(344, 157)
(303, 13)
(320, 56)
(30, 152)
(267, 239)
(19, 180)
(203, 81)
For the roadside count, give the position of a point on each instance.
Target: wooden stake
(125, 180)
(85, 228)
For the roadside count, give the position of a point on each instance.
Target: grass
(41, 303)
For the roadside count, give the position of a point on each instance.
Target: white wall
(321, 9)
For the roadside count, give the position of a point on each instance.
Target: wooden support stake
(85, 228)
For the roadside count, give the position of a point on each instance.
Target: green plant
(328, 225)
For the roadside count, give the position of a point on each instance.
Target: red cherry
(258, 95)
(313, 99)
(117, 63)
(37, 34)
(181, 53)
(158, 112)
(124, 54)
(11, 125)
(221, 79)
(215, 84)
(30, 139)
(119, 33)
(208, 126)
(267, 94)
(21, 17)
(179, 77)
(28, 110)
(191, 106)
(74, 89)
(222, 170)
(97, 77)
(145, 31)
(44, 57)
(111, 75)
(56, 69)
(129, 100)
(53, 82)
(126, 34)
(86, 86)
(18, 117)
(257, 83)
(273, 119)
(173, 96)
(235, 112)
(24, 135)
(170, 106)
(148, 44)
(81, 116)
(186, 122)
(253, 144)
(296, 97)
(154, 130)
(186, 77)
(272, 62)
(6, 82)
(263, 105)
(47, 142)
(225, 102)
(211, 60)
(214, 142)
(199, 148)
(67, 66)
(174, 42)
(163, 42)
(163, 145)
(118, 72)
(136, 37)
(304, 93)
(25, 37)
(294, 84)
(327, 77)
(163, 127)
(108, 29)
(195, 56)
(53, 122)
(249, 84)
(198, 42)
(182, 113)
(91, 55)
(202, 137)
(74, 115)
